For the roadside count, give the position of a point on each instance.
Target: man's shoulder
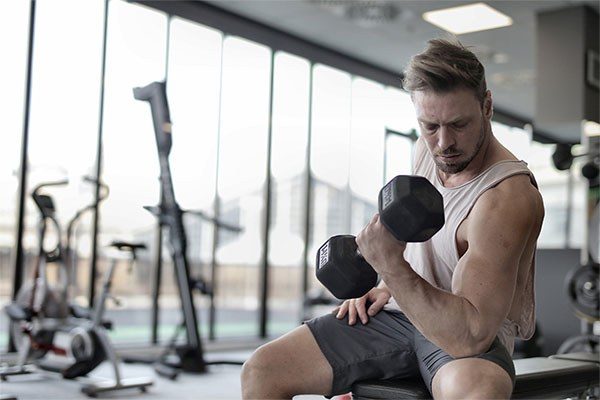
(515, 194)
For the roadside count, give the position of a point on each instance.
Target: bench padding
(537, 377)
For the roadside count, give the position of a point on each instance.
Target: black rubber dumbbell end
(342, 270)
(411, 208)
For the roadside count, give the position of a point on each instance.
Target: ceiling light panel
(468, 18)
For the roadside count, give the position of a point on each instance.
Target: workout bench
(557, 376)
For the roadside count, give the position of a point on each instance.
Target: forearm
(448, 320)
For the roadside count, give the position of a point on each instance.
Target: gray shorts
(388, 346)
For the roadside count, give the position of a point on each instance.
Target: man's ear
(488, 105)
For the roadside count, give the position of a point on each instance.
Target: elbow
(471, 346)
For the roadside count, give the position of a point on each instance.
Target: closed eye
(431, 127)
(459, 125)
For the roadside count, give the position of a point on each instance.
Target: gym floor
(221, 382)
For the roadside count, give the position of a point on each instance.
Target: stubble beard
(454, 168)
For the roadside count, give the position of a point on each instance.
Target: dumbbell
(410, 207)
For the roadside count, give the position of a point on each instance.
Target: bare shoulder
(514, 201)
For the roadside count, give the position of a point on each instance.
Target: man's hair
(443, 66)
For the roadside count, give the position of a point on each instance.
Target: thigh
(380, 349)
(431, 359)
(294, 364)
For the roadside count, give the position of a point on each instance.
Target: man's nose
(446, 138)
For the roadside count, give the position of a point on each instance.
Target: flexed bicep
(499, 228)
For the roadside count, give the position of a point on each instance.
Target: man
(464, 295)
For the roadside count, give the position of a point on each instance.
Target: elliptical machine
(44, 323)
(188, 356)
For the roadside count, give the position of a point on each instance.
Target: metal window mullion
(308, 194)
(264, 272)
(18, 269)
(99, 155)
(216, 207)
(348, 190)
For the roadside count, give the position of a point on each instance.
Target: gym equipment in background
(582, 285)
(411, 209)
(43, 322)
(187, 357)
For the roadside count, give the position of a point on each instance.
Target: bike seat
(127, 246)
(85, 313)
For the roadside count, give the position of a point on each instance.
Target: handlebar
(46, 184)
(101, 197)
(43, 202)
(103, 186)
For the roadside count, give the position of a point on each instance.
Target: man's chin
(450, 167)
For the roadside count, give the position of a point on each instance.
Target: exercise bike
(44, 323)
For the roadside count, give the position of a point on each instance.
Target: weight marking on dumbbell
(387, 195)
(323, 255)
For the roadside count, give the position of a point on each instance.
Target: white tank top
(436, 259)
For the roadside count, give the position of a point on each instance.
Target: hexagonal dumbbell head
(411, 208)
(342, 270)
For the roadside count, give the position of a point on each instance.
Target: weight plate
(582, 288)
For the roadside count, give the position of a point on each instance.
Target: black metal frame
(230, 24)
(96, 218)
(19, 256)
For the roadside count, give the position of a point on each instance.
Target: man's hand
(377, 297)
(380, 248)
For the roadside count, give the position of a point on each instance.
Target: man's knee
(258, 370)
(472, 379)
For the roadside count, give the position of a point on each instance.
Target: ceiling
(508, 53)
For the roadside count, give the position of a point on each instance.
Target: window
(330, 151)
(193, 90)
(401, 123)
(64, 122)
(288, 190)
(366, 150)
(241, 178)
(136, 56)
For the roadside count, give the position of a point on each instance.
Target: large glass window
(193, 88)
(241, 178)
(14, 24)
(400, 123)
(64, 122)
(136, 56)
(330, 155)
(288, 190)
(398, 155)
(517, 141)
(366, 150)
(399, 113)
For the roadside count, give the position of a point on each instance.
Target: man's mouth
(448, 156)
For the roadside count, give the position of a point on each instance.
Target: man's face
(453, 125)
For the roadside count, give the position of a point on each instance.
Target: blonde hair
(443, 66)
